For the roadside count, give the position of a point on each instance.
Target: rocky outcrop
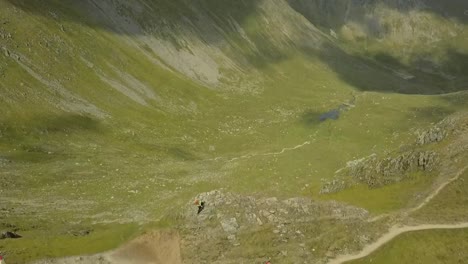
(230, 214)
(234, 211)
(443, 129)
(9, 234)
(231, 219)
(334, 186)
(432, 135)
(376, 172)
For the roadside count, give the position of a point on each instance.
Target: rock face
(449, 126)
(432, 135)
(9, 234)
(377, 172)
(234, 212)
(229, 225)
(230, 219)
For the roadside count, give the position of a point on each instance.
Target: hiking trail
(397, 230)
(247, 156)
(390, 235)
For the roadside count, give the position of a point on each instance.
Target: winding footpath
(391, 234)
(397, 230)
(429, 198)
(438, 190)
(247, 156)
(272, 153)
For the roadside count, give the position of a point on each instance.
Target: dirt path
(391, 234)
(396, 230)
(164, 247)
(152, 248)
(247, 156)
(272, 153)
(429, 198)
(438, 190)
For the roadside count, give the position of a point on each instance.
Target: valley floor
(164, 247)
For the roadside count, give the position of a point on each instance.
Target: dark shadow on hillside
(164, 18)
(457, 63)
(457, 9)
(384, 73)
(170, 16)
(12, 130)
(431, 114)
(211, 20)
(29, 139)
(335, 13)
(181, 154)
(456, 102)
(71, 123)
(178, 152)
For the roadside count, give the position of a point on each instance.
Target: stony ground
(151, 248)
(232, 219)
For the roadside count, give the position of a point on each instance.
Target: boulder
(230, 225)
(8, 234)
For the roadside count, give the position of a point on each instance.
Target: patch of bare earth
(162, 247)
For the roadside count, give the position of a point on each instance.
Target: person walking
(200, 205)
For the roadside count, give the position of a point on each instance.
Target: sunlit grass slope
(112, 115)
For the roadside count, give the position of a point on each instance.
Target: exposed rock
(449, 126)
(228, 211)
(230, 225)
(432, 135)
(6, 52)
(9, 234)
(333, 186)
(271, 201)
(80, 233)
(376, 172)
(230, 219)
(3, 162)
(15, 57)
(259, 221)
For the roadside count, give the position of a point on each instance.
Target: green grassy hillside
(114, 114)
(440, 246)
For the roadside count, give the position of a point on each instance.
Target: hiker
(1, 260)
(201, 207)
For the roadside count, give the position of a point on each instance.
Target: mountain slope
(115, 113)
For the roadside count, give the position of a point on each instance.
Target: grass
(385, 199)
(437, 246)
(64, 240)
(144, 162)
(450, 205)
